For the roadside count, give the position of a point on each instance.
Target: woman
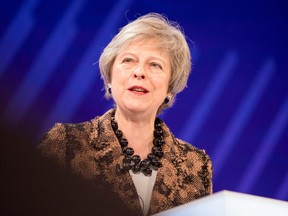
(143, 68)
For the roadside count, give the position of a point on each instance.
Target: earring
(167, 99)
(109, 88)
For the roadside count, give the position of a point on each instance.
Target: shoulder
(193, 156)
(69, 131)
(181, 148)
(199, 160)
(64, 140)
(60, 142)
(77, 131)
(189, 149)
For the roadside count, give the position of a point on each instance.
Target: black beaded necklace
(134, 162)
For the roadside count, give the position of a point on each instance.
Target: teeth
(138, 90)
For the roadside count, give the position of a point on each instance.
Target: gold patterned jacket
(91, 149)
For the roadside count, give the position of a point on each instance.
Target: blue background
(236, 103)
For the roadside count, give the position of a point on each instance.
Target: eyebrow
(150, 57)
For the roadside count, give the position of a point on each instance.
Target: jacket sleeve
(206, 172)
(210, 175)
(53, 144)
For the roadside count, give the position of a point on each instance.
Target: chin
(137, 108)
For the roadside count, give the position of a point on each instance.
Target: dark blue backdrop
(236, 103)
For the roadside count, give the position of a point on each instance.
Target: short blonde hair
(171, 39)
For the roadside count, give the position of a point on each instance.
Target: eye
(156, 65)
(127, 60)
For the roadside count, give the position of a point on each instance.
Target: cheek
(114, 72)
(160, 82)
(117, 75)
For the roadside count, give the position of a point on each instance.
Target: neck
(138, 130)
(137, 118)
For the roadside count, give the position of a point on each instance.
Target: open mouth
(138, 89)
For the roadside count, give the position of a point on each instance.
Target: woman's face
(140, 77)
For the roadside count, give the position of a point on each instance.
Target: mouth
(138, 89)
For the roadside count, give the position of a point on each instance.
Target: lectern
(228, 203)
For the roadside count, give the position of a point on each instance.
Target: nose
(139, 73)
(139, 76)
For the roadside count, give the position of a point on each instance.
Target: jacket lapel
(109, 158)
(168, 182)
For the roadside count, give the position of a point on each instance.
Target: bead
(114, 125)
(136, 168)
(158, 121)
(157, 151)
(156, 148)
(156, 163)
(136, 159)
(127, 159)
(123, 142)
(159, 154)
(128, 151)
(144, 164)
(147, 172)
(151, 156)
(126, 167)
(158, 142)
(158, 132)
(118, 133)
